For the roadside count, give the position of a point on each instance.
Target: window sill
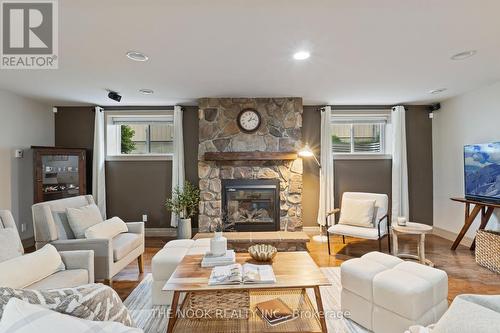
(152, 157)
(362, 157)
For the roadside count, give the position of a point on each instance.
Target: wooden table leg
(421, 249)
(321, 311)
(395, 248)
(173, 312)
(468, 221)
(485, 217)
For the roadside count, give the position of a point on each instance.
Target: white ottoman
(356, 276)
(385, 294)
(165, 262)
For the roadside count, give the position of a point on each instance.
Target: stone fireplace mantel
(226, 153)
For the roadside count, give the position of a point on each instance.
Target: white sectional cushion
(70, 278)
(80, 219)
(165, 262)
(25, 270)
(22, 317)
(356, 275)
(185, 243)
(353, 231)
(403, 293)
(202, 242)
(436, 277)
(107, 229)
(383, 259)
(124, 243)
(471, 313)
(9, 244)
(357, 212)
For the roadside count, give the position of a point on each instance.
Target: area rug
(153, 319)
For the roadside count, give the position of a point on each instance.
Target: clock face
(249, 120)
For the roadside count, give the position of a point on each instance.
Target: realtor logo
(29, 35)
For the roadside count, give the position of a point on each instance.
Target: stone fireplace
(280, 132)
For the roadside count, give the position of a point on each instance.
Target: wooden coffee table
(295, 272)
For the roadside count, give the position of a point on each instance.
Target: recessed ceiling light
(146, 91)
(137, 56)
(301, 55)
(463, 55)
(437, 91)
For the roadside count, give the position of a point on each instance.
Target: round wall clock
(249, 120)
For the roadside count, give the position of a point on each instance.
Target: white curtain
(98, 163)
(400, 201)
(326, 195)
(178, 159)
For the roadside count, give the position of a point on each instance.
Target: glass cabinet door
(59, 174)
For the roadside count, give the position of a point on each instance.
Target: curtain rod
(139, 108)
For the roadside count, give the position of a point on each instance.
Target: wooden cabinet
(58, 173)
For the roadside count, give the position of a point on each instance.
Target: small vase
(184, 229)
(218, 244)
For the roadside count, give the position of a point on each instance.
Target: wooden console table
(486, 210)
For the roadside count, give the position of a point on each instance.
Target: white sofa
(110, 255)
(166, 260)
(467, 314)
(79, 264)
(387, 295)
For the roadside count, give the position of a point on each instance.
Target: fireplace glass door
(252, 207)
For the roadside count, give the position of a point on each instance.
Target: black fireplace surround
(251, 204)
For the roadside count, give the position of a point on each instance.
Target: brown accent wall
(374, 175)
(419, 150)
(133, 188)
(74, 128)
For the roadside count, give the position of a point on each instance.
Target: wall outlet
(144, 218)
(23, 227)
(19, 153)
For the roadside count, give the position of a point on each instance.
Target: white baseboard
(449, 235)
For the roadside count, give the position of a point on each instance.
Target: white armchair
(110, 255)
(379, 227)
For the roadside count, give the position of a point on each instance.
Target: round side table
(412, 228)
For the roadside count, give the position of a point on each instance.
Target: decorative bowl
(262, 252)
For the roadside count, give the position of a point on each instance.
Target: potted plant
(184, 204)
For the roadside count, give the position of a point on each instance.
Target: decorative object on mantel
(184, 203)
(249, 120)
(218, 244)
(488, 249)
(262, 252)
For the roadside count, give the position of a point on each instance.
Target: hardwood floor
(464, 275)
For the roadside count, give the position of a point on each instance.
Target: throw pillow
(10, 247)
(23, 317)
(22, 271)
(107, 229)
(92, 302)
(80, 219)
(357, 212)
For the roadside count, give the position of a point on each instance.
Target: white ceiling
(362, 51)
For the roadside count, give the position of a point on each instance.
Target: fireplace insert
(251, 204)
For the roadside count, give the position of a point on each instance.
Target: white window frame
(353, 117)
(139, 115)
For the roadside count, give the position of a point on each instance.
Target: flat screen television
(482, 172)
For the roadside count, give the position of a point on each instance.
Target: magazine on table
(209, 260)
(242, 274)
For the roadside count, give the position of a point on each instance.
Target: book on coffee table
(275, 312)
(210, 260)
(241, 274)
